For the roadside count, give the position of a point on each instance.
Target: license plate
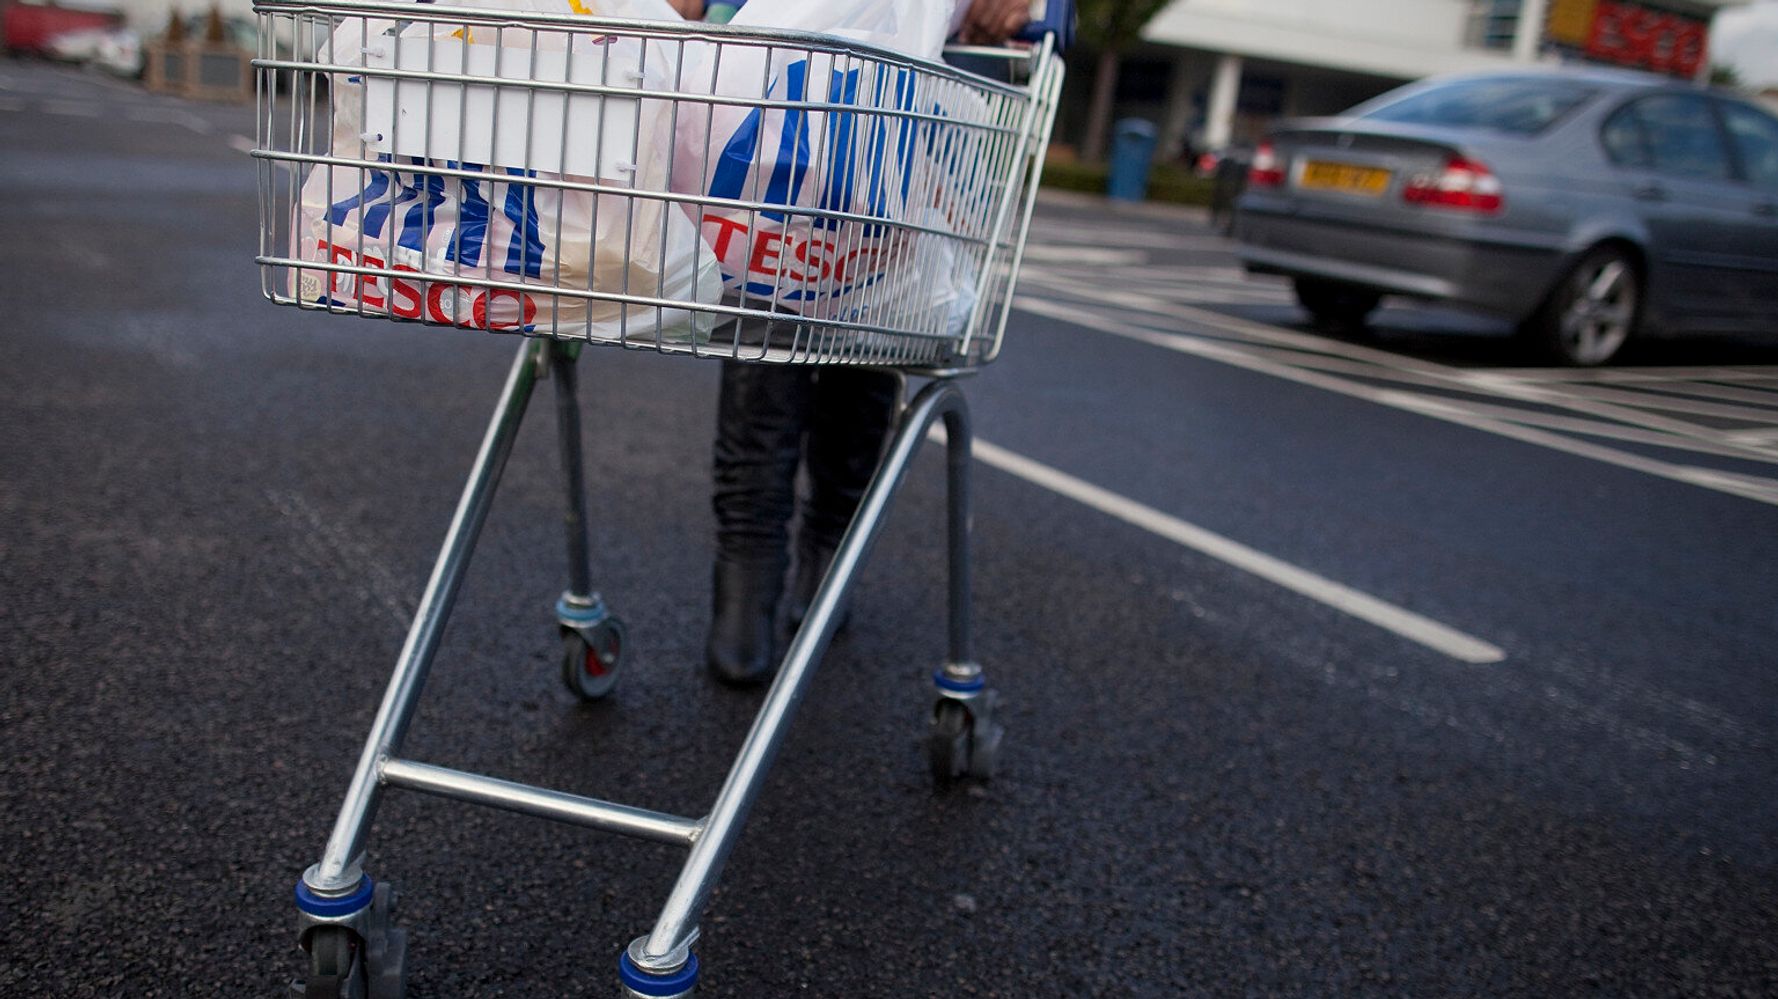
(1321, 175)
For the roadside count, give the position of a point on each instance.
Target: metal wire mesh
(684, 188)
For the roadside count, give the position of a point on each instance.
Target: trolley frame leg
(593, 637)
(341, 871)
(336, 890)
(562, 358)
(666, 950)
(966, 736)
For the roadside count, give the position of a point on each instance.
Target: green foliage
(1722, 75)
(1166, 182)
(1114, 24)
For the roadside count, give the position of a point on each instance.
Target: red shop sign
(1632, 35)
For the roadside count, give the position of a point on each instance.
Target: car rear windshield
(1515, 106)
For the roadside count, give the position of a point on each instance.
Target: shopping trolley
(717, 192)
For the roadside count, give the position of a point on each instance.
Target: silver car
(1586, 206)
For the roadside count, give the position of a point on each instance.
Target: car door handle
(1650, 192)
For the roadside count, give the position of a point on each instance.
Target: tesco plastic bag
(865, 162)
(504, 227)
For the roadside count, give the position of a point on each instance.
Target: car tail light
(1265, 170)
(1463, 184)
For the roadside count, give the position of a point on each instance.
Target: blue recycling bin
(1132, 150)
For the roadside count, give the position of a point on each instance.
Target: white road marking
(241, 143)
(1178, 285)
(1675, 404)
(1106, 235)
(1091, 256)
(1751, 372)
(1538, 387)
(1450, 411)
(72, 109)
(346, 556)
(11, 104)
(1406, 623)
(170, 116)
(1727, 393)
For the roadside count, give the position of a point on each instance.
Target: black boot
(850, 414)
(759, 426)
(741, 647)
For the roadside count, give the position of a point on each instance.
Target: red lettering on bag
(726, 229)
(435, 303)
(367, 285)
(414, 299)
(335, 255)
(765, 244)
(527, 309)
(823, 269)
(842, 267)
(795, 261)
(400, 289)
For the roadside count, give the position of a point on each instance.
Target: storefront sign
(1630, 34)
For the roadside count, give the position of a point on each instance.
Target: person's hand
(691, 10)
(990, 22)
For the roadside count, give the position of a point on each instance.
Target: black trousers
(830, 419)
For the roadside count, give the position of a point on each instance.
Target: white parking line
(1414, 627)
(1090, 256)
(1748, 487)
(1673, 403)
(1755, 438)
(1299, 350)
(170, 116)
(71, 109)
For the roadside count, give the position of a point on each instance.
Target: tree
(1109, 27)
(1723, 75)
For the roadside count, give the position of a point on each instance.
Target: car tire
(1592, 311)
(1334, 305)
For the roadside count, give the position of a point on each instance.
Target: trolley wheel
(964, 740)
(336, 967)
(345, 965)
(947, 744)
(591, 658)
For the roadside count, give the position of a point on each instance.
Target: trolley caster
(362, 958)
(592, 648)
(640, 983)
(964, 740)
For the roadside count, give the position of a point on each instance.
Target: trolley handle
(1050, 17)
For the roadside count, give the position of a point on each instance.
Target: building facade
(1216, 72)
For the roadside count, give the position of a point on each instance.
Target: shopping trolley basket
(721, 192)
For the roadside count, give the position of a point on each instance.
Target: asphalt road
(1391, 667)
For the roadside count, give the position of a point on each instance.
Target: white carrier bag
(788, 161)
(503, 228)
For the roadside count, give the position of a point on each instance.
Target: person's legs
(759, 427)
(850, 413)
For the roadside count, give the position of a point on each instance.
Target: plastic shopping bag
(878, 162)
(494, 222)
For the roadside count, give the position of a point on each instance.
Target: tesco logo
(441, 302)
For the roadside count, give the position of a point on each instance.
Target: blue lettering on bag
(877, 193)
(375, 189)
(791, 165)
(418, 224)
(836, 191)
(472, 221)
(730, 175)
(524, 252)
